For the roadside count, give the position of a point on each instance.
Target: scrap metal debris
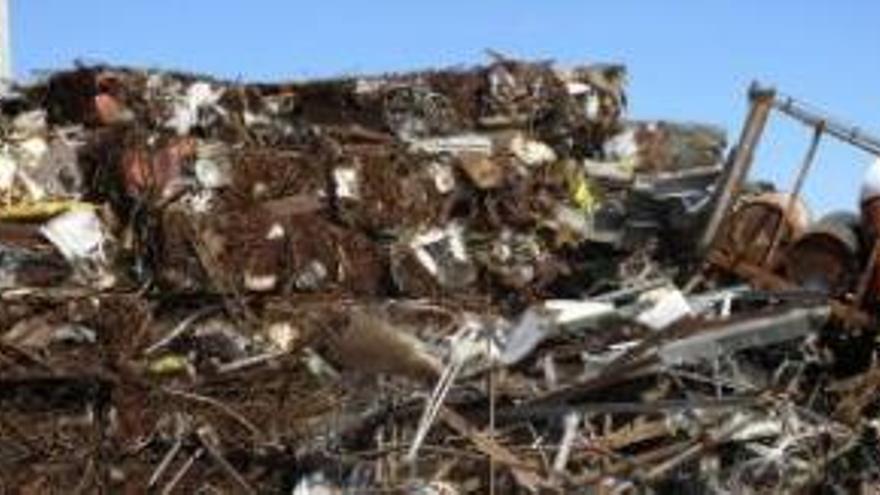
(476, 280)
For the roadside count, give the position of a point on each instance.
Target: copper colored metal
(108, 109)
(871, 216)
(826, 256)
(750, 229)
(147, 170)
(870, 282)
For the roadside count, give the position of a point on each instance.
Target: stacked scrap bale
(445, 157)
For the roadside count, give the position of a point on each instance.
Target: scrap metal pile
(475, 280)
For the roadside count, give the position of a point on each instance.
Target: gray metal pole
(761, 101)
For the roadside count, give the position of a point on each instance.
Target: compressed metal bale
(156, 171)
(326, 256)
(264, 250)
(573, 109)
(381, 189)
(662, 146)
(259, 174)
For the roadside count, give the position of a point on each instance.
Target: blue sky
(688, 60)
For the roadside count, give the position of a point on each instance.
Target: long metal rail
(815, 118)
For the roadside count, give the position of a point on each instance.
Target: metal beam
(740, 162)
(815, 118)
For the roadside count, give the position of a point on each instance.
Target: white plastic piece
(186, 112)
(276, 231)
(578, 88)
(871, 182)
(260, 283)
(575, 314)
(315, 484)
(623, 146)
(592, 106)
(213, 168)
(532, 152)
(8, 168)
(669, 306)
(283, 335)
(77, 234)
(30, 123)
(444, 178)
(347, 183)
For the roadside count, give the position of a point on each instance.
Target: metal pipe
(740, 162)
(796, 190)
(814, 117)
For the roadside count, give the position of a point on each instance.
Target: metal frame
(762, 101)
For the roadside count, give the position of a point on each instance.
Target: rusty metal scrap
(471, 280)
